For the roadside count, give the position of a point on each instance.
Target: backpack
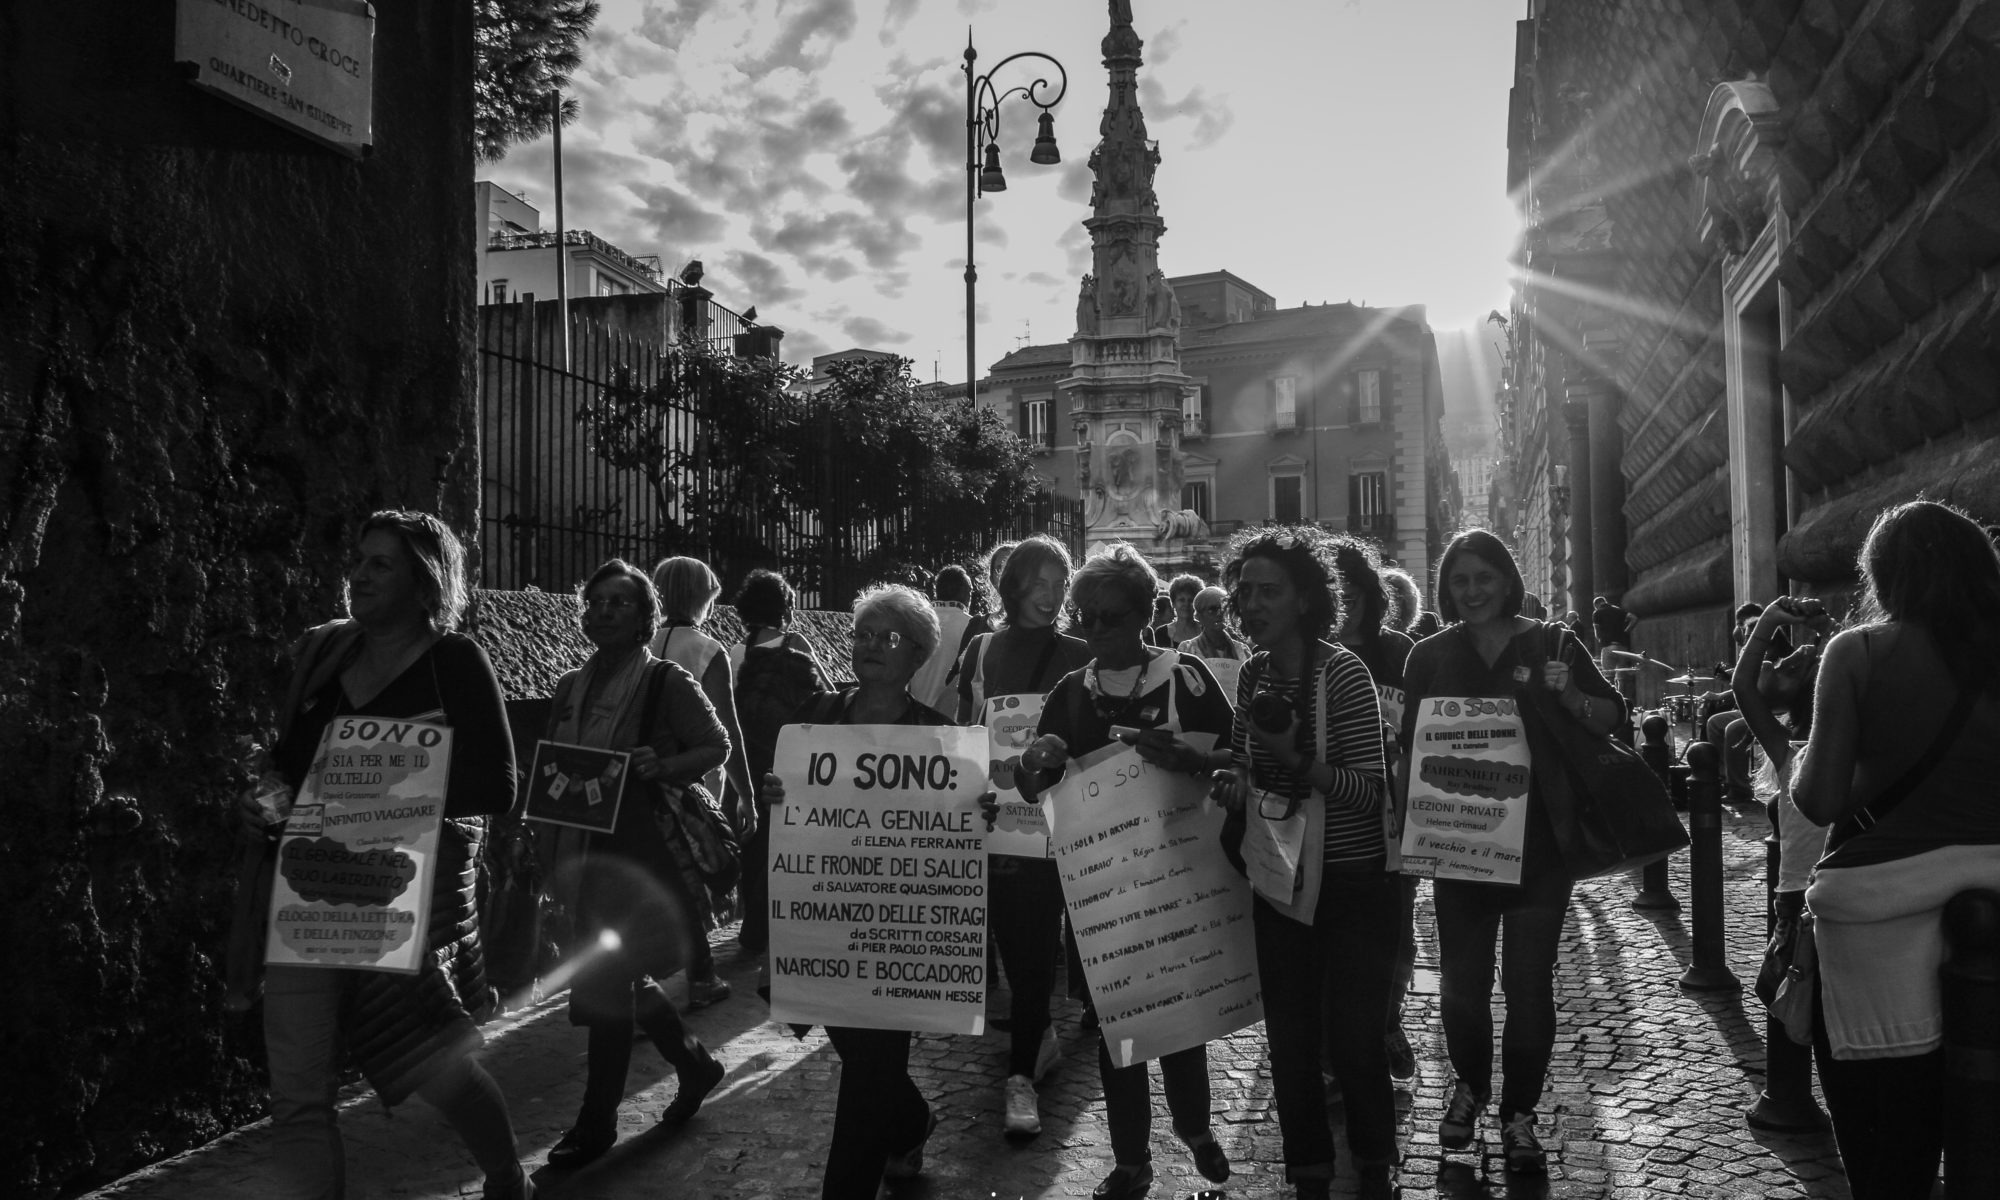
(771, 686)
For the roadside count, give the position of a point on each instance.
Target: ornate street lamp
(982, 126)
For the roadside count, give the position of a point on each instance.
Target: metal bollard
(1786, 1104)
(1971, 985)
(1655, 891)
(1709, 968)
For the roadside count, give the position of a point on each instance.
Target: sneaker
(1048, 1055)
(1024, 1108)
(1402, 1059)
(704, 992)
(1461, 1116)
(1525, 1155)
(910, 1163)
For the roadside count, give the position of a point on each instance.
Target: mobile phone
(1124, 733)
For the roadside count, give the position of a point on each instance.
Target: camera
(1270, 712)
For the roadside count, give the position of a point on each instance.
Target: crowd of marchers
(1868, 731)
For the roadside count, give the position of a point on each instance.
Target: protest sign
(1227, 672)
(1022, 828)
(353, 880)
(577, 786)
(878, 878)
(1467, 813)
(1162, 920)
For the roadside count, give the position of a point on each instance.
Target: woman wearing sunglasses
(1157, 692)
(1308, 739)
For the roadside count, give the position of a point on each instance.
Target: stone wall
(1884, 183)
(221, 345)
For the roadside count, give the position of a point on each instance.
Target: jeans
(1128, 1100)
(1469, 915)
(1332, 980)
(879, 1111)
(1888, 1116)
(302, 1037)
(1024, 905)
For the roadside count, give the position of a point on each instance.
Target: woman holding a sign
(408, 1028)
(1142, 695)
(1310, 784)
(881, 1122)
(1476, 822)
(634, 913)
(1009, 672)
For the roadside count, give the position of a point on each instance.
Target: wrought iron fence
(553, 510)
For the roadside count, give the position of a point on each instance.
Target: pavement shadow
(1462, 1181)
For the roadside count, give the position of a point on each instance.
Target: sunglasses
(888, 639)
(1095, 618)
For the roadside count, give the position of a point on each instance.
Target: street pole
(982, 120)
(562, 248)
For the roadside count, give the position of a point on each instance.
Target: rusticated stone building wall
(221, 345)
(1761, 278)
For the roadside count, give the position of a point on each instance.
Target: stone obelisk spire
(1125, 384)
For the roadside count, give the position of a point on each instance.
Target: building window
(1368, 502)
(1367, 397)
(1285, 402)
(1288, 494)
(1194, 495)
(1036, 428)
(1194, 411)
(499, 291)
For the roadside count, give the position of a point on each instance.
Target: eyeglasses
(1094, 618)
(609, 603)
(888, 639)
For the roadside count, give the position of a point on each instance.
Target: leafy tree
(525, 50)
(865, 478)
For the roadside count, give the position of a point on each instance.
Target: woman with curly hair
(1900, 764)
(1308, 739)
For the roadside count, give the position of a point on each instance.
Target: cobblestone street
(1646, 1096)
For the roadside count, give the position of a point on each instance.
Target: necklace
(1110, 706)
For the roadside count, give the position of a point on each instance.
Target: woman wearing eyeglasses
(880, 1120)
(1308, 741)
(634, 914)
(1024, 895)
(1159, 692)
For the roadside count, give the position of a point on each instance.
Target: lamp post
(982, 125)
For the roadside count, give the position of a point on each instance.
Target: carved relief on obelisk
(1126, 384)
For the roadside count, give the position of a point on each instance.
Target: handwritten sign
(878, 878)
(1227, 672)
(1162, 920)
(353, 884)
(1022, 828)
(577, 786)
(1467, 814)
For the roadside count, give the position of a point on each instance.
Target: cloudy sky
(811, 153)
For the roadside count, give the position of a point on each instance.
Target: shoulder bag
(690, 817)
(1610, 812)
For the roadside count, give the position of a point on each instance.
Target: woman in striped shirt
(1310, 774)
